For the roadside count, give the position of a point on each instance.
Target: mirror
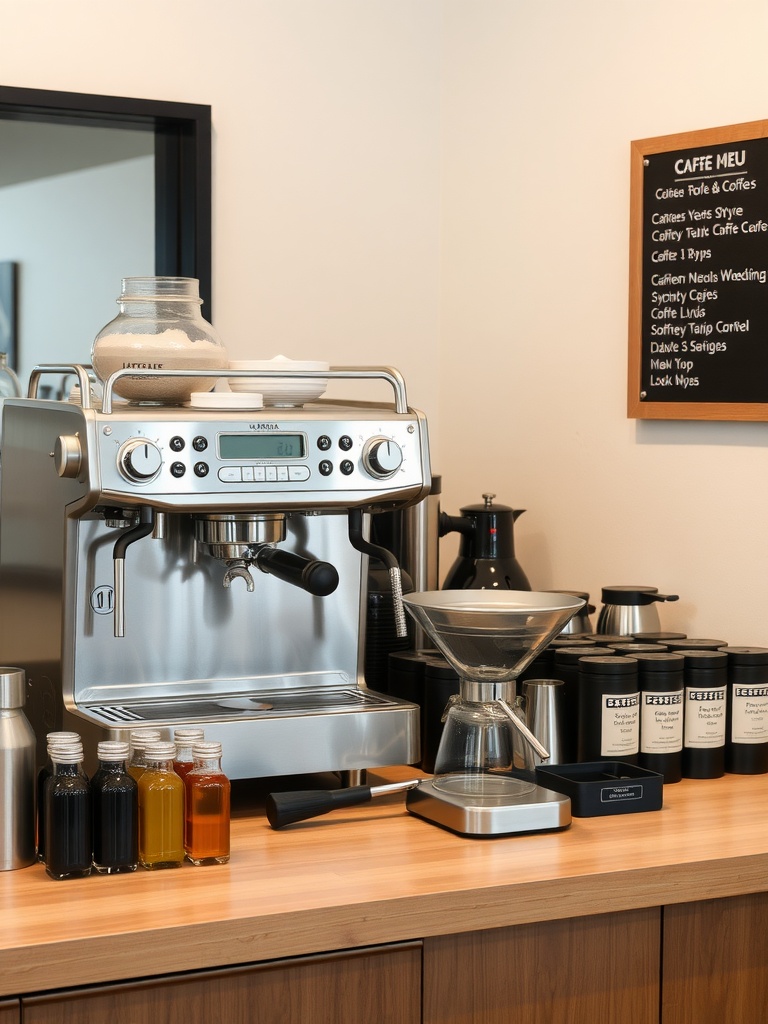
(93, 189)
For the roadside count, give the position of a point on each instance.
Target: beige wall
(444, 186)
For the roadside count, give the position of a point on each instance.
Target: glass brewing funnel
(488, 637)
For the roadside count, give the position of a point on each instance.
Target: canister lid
(659, 662)
(704, 659)
(695, 644)
(13, 688)
(608, 665)
(571, 655)
(746, 655)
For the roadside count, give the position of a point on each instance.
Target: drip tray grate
(264, 705)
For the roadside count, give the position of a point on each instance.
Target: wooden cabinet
(10, 1011)
(715, 966)
(580, 971)
(377, 984)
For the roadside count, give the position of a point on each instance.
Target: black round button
(347, 467)
(200, 444)
(323, 442)
(177, 444)
(201, 469)
(345, 442)
(178, 469)
(326, 467)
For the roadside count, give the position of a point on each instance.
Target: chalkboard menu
(698, 340)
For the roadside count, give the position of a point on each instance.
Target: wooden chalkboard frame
(637, 408)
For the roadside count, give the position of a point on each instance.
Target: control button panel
(321, 459)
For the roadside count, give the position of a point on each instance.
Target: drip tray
(265, 705)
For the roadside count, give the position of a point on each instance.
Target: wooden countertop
(374, 874)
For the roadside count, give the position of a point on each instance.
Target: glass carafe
(479, 748)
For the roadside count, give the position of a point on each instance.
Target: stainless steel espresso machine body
(163, 565)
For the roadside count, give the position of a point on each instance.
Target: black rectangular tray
(604, 787)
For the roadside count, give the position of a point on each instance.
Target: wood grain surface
(376, 874)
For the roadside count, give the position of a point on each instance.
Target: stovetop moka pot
(486, 559)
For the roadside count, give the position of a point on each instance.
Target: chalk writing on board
(704, 310)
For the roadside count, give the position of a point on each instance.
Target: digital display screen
(261, 446)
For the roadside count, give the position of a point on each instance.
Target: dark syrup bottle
(68, 851)
(115, 808)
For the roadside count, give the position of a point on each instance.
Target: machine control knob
(382, 457)
(68, 456)
(139, 460)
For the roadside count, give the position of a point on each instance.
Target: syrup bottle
(184, 737)
(208, 807)
(161, 809)
(52, 739)
(139, 739)
(68, 850)
(114, 797)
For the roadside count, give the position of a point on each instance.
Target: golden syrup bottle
(161, 810)
(139, 739)
(207, 807)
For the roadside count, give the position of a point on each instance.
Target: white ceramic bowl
(280, 391)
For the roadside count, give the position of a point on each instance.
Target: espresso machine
(178, 565)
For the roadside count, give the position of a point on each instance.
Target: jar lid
(609, 665)
(633, 649)
(746, 655)
(13, 688)
(571, 655)
(661, 638)
(659, 662)
(704, 659)
(696, 644)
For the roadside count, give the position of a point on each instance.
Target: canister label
(704, 717)
(620, 731)
(749, 718)
(661, 722)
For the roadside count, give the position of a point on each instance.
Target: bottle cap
(206, 750)
(13, 688)
(71, 753)
(159, 751)
(112, 750)
(185, 735)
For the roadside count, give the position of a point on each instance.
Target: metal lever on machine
(145, 527)
(359, 542)
(317, 578)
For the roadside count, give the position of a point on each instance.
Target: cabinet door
(378, 984)
(716, 961)
(10, 1011)
(588, 970)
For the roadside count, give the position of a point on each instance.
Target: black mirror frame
(182, 166)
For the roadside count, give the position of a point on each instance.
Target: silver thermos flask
(17, 773)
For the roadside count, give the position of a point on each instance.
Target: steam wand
(145, 527)
(359, 542)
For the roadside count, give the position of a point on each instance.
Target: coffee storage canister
(609, 709)
(746, 735)
(566, 668)
(704, 722)
(17, 773)
(661, 679)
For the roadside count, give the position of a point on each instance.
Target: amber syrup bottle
(161, 809)
(115, 808)
(68, 849)
(207, 807)
(183, 762)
